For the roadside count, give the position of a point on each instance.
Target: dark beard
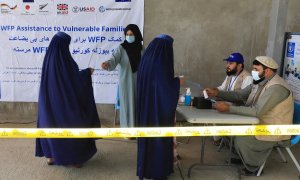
(232, 72)
(261, 79)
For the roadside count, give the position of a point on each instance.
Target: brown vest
(239, 81)
(282, 113)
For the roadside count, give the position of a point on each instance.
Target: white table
(211, 116)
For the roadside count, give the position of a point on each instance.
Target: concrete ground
(116, 160)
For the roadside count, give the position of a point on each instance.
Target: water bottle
(188, 97)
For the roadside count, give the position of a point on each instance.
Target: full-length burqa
(66, 100)
(157, 97)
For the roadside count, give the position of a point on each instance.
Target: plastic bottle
(188, 98)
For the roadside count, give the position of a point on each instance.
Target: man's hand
(105, 65)
(222, 106)
(92, 70)
(212, 92)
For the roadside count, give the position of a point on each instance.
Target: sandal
(217, 143)
(77, 165)
(246, 172)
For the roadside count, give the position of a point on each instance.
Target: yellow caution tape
(149, 132)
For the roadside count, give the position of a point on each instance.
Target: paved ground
(116, 160)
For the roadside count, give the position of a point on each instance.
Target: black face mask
(232, 72)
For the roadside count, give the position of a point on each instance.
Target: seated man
(237, 78)
(270, 99)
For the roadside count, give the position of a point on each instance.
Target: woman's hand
(105, 65)
(92, 70)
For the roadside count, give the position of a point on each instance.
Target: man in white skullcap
(269, 99)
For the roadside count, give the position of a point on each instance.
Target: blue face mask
(256, 76)
(130, 39)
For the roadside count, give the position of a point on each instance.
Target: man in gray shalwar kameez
(127, 56)
(269, 98)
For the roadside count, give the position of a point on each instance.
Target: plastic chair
(117, 105)
(289, 143)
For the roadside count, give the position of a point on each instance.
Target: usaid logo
(290, 49)
(102, 9)
(77, 9)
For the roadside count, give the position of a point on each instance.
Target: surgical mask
(255, 75)
(130, 39)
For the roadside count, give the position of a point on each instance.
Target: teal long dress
(127, 86)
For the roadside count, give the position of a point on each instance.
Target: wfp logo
(102, 9)
(290, 49)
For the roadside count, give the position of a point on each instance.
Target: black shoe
(235, 161)
(246, 172)
(50, 161)
(217, 142)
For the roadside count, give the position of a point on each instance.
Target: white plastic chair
(289, 143)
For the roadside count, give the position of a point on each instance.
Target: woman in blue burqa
(66, 100)
(157, 97)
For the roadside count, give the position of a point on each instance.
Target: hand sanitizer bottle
(188, 98)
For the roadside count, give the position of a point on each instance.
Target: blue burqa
(66, 100)
(157, 97)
